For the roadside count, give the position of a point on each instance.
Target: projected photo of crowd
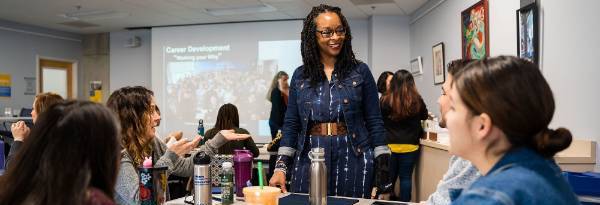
(196, 88)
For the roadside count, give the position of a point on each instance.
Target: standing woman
(383, 82)
(403, 109)
(333, 104)
(278, 96)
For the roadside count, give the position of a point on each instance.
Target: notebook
(297, 199)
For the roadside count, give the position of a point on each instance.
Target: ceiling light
(94, 15)
(261, 8)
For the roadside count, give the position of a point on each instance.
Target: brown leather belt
(328, 129)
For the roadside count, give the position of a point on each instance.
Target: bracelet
(280, 166)
(280, 170)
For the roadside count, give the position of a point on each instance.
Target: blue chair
(2, 157)
(25, 112)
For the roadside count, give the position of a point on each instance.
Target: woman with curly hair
(135, 108)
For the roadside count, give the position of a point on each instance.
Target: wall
(567, 61)
(129, 66)
(20, 46)
(360, 35)
(95, 64)
(389, 44)
(570, 55)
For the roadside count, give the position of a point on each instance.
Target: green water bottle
(201, 132)
(227, 184)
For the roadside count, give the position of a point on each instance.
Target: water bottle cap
(242, 155)
(318, 151)
(200, 121)
(201, 158)
(227, 165)
(317, 154)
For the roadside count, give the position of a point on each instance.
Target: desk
(5, 120)
(14, 118)
(180, 201)
(580, 156)
(5, 124)
(263, 155)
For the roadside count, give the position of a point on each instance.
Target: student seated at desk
(499, 113)
(229, 119)
(20, 131)
(461, 172)
(71, 157)
(135, 107)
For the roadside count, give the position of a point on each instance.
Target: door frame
(74, 65)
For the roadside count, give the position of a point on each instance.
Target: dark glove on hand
(382, 174)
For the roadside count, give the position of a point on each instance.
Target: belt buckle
(329, 131)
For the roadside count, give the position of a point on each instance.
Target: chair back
(25, 112)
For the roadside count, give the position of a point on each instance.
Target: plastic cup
(153, 185)
(266, 196)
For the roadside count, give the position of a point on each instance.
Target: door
(57, 77)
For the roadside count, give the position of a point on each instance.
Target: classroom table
(11, 119)
(180, 201)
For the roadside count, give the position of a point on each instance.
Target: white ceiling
(147, 13)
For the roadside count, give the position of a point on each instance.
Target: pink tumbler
(242, 163)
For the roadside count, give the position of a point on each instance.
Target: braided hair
(311, 58)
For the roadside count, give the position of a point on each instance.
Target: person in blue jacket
(333, 104)
(498, 119)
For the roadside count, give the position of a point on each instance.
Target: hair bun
(550, 141)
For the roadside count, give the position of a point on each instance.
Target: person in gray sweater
(135, 107)
(461, 173)
(127, 187)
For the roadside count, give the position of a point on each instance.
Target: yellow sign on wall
(95, 91)
(5, 85)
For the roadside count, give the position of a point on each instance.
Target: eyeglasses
(328, 33)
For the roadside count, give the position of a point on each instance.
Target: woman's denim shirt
(521, 177)
(360, 107)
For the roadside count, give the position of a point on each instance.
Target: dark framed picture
(439, 73)
(475, 31)
(527, 33)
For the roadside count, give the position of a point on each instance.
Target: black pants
(273, 158)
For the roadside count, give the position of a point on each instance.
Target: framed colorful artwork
(416, 66)
(527, 33)
(475, 31)
(439, 73)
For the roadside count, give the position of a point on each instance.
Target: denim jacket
(520, 177)
(360, 107)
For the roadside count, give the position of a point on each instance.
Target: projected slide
(197, 69)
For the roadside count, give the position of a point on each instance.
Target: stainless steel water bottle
(317, 194)
(202, 182)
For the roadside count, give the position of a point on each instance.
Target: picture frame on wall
(527, 33)
(439, 72)
(416, 66)
(475, 31)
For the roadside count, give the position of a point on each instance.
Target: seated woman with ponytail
(499, 113)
